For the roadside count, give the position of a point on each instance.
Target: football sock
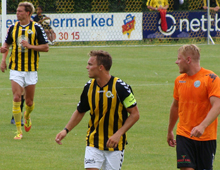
(17, 115)
(22, 104)
(28, 110)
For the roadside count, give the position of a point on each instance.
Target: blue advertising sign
(181, 24)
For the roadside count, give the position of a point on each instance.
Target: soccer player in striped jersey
(109, 101)
(27, 39)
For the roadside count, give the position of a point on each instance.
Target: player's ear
(189, 59)
(101, 67)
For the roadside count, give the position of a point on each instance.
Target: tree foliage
(82, 6)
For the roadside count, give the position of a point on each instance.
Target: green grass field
(150, 70)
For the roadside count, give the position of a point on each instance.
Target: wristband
(67, 130)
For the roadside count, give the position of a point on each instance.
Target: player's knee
(17, 98)
(29, 102)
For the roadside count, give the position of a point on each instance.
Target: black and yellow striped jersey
(23, 59)
(157, 3)
(108, 112)
(212, 3)
(44, 25)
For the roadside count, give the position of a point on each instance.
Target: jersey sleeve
(213, 85)
(8, 38)
(166, 2)
(125, 94)
(175, 90)
(83, 105)
(36, 18)
(41, 35)
(217, 3)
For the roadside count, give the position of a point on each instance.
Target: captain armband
(129, 101)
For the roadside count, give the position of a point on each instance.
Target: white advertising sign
(94, 26)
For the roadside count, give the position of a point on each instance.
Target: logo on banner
(172, 27)
(129, 25)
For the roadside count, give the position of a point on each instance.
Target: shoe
(18, 136)
(12, 120)
(27, 123)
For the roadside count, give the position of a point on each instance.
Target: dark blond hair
(28, 7)
(191, 50)
(102, 57)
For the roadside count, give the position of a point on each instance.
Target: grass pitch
(150, 70)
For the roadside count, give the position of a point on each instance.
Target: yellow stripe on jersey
(112, 111)
(91, 110)
(120, 118)
(12, 59)
(101, 121)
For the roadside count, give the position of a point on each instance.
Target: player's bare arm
(131, 120)
(4, 56)
(4, 48)
(74, 121)
(211, 116)
(40, 48)
(172, 121)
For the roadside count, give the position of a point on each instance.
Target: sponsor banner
(94, 26)
(181, 25)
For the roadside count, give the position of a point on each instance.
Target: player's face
(182, 63)
(39, 11)
(21, 13)
(92, 67)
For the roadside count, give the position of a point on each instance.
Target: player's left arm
(211, 116)
(130, 121)
(42, 40)
(127, 98)
(40, 48)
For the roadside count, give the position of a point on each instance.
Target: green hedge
(82, 6)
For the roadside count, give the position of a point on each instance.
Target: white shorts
(107, 160)
(24, 78)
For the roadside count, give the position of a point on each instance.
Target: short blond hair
(29, 7)
(191, 50)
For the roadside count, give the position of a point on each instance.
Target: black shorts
(198, 155)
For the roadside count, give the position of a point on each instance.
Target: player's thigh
(17, 77)
(206, 154)
(31, 79)
(187, 169)
(186, 152)
(94, 158)
(113, 160)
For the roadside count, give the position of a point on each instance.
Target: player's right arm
(77, 116)
(74, 121)
(4, 49)
(172, 121)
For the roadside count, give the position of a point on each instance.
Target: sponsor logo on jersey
(197, 83)
(109, 94)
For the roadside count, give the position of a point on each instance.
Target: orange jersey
(193, 94)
